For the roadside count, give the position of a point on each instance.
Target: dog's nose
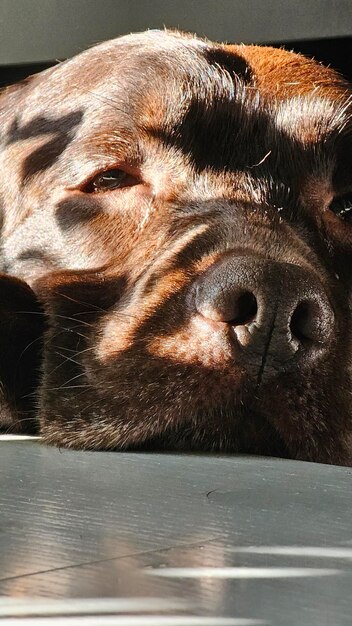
(276, 310)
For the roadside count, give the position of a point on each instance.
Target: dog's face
(183, 212)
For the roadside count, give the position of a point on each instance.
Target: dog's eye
(109, 180)
(342, 207)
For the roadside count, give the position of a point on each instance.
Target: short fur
(235, 153)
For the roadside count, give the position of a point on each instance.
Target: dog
(176, 243)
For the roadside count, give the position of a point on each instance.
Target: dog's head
(183, 211)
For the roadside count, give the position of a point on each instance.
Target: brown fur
(234, 154)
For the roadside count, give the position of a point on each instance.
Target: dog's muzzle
(279, 313)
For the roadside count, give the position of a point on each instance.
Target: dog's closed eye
(110, 180)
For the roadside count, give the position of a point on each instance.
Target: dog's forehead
(145, 58)
(133, 60)
(179, 90)
(160, 73)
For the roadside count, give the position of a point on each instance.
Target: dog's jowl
(179, 216)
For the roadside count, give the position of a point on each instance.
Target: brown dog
(182, 211)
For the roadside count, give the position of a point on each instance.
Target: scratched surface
(175, 540)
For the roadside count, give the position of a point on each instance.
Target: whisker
(110, 101)
(88, 304)
(70, 387)
(40, 338)
(32, 394)
(89, 406)
(63, 386)
(69, 358)
(65, 317)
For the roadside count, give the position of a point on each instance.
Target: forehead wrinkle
(102, 148)
(116, 142)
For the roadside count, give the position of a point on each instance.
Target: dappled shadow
(76, 211)
(63, 128)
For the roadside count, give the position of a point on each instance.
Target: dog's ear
(21, 330)
(282, 74)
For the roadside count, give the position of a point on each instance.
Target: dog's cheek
(98, 228)
(73, 301)
(22, 325)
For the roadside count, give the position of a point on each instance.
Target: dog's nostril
(245, 309)
(232, 305)
(305, 323)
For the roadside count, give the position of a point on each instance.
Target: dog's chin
(224, 429)
(228, 431)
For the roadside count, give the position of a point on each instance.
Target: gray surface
(40, 30)
(260, 538)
